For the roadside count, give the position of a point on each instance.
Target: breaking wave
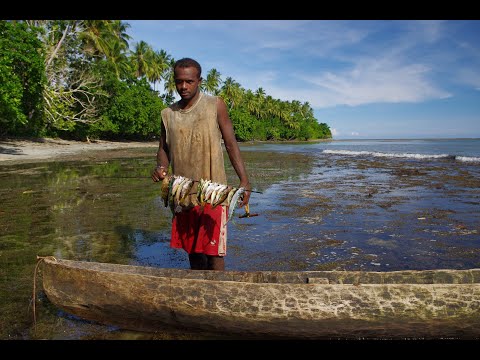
(403, 155)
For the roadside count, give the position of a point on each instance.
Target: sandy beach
(18, 150)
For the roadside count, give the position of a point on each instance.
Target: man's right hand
(159, 173)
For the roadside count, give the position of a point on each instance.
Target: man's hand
(246, 194)
(159, 173)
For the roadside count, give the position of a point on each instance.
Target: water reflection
(106, 211)
(317, 212)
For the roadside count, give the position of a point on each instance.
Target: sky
(366, 79)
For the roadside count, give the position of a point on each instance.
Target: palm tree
(307, 110)
(94, 35)
(118, 59)
(296, 106)
(269, 107)
(260, 93)
(260, 99)
(212, 82)
(250, 102)
(231, 92)
(160, 64)
(141, 57)
(287, 115)
(119, 31)
(169, 82)
(106, 39)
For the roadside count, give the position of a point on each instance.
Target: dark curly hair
(188, 62)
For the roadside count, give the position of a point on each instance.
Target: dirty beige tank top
(194, 140)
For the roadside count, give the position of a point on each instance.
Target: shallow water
(318, 211)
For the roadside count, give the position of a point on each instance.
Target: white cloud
(378, 72)
(369, 82)
(373, 81)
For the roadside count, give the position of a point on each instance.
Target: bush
(133, 110)
(22, 79)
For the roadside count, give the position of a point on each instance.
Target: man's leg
(215, 262)
(198, 261)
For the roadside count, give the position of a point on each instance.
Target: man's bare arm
(232, 148)
(163, 159)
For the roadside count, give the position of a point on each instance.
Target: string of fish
(176, 189)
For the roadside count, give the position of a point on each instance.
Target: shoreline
(24, 150)
(27, 150)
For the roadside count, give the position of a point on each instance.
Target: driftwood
(428, 304)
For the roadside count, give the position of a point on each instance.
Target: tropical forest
(82, 79)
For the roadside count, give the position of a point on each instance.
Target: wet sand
(23, 150)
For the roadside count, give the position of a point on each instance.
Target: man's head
(187, 62)
(188, 76)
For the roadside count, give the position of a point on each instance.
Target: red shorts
(201, 230)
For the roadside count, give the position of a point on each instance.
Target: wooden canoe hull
(311, 305)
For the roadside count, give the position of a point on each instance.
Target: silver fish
(234, 202)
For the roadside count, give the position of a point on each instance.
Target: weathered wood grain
(311, 304)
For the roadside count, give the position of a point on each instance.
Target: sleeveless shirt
(194, 141)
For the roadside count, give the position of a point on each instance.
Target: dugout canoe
(294, 304)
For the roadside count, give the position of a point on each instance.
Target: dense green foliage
(133, 111)
(79, 78)
(22, 78)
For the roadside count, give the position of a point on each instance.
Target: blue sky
(364, 78)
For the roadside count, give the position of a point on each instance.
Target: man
(191, 142)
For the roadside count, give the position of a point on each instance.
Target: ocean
(465, 150)
(371, 205)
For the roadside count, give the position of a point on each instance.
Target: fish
(178, 192)
(209, 191)
(200, 187)
(164, 189)
(234, 201)
(216, 193)
(230, 194)
(187, 186)
(221, 195)
(176, 183)
(202, 193)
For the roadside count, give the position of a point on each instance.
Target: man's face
(187, 82)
